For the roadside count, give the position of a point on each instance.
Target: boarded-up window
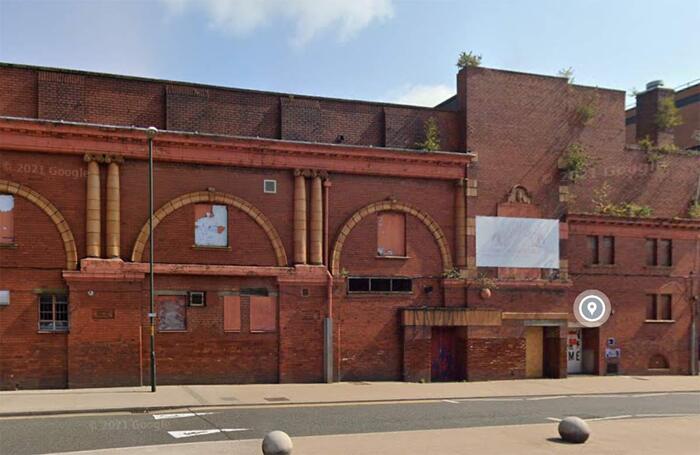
(232, 313)
(391, 234)
(665, 253)
(172, 313)
(210, 225)
(7, 222)
(263, 313)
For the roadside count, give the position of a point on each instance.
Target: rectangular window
(210, 225)
(232, 313)
(379, 285)
(53, 312)
(652, 252)
(607, 253)
(391, 234)
(7, 221)
(4, 297)
(665, 253)
(172, 313)
(659, 307)
(263, 313)
(593, 257)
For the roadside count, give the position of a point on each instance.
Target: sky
(381, 50)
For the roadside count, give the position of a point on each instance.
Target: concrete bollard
(277, 443)
(574, 430)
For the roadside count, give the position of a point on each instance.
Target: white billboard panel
(517, 242)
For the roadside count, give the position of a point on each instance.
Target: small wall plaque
(103, 313)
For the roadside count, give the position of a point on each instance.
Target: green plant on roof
(668, 116)
(468, 59)
(432, 136)
(575, 161)
(655, 154)
(604, 206)
(567, 73)
(694, 210)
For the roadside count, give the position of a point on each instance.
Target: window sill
(212, 247)
(601, 266)
(660, 321)
(9, 246)
(659, 268)
(52, 331)
(172, 331)
(392, 257)
(659, 370)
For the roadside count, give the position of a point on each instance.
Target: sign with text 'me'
(517, 242)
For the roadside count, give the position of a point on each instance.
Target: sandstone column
(92, 226)
(299, 217)
(112, 215)
(316, 247)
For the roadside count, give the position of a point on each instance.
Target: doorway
(443, 358)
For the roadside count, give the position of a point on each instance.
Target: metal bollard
(277, 443)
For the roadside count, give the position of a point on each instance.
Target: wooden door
(534, 347)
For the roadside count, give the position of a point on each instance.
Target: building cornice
(597, 219)
(46, 136)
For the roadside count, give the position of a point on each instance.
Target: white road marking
(553, 419)
(663, 415)
(179, 415)
(493, 399)
(649, 395)
(190, 433)
(450, 401)
(546, 398)
(609, 418)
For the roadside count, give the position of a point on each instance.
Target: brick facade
(220, 144)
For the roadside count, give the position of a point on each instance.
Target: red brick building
(280, 217)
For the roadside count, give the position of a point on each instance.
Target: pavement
(140, 399)
(678, 435)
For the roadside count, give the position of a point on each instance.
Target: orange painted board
(232, 313)
(263, 314)
(391, 234)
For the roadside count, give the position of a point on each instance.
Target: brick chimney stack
(648, 103)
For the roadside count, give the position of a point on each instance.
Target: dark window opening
(651, 250)
(380, 285)
(255, 291)
(53, 312)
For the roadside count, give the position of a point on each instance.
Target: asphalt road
(34, 435)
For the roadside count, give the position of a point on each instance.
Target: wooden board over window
(210, 225)
(232, 313)
(172, 313)
(263, 313)
(7, 222)
(391, 234)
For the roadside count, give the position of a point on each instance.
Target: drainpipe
(328, 322)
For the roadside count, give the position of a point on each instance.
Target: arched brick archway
(52, 212)
(214, 198)
(394, 206)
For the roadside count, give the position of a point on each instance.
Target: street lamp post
(150, 134)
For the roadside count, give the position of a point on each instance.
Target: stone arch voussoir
(392, 206)
(217, 198)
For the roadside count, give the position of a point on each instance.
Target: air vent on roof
(655, 84)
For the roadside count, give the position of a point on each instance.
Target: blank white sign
(517, 242)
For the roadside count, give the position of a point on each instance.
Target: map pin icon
(591, 307)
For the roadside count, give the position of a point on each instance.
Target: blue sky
(384, 50)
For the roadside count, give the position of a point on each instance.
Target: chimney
(648, 103)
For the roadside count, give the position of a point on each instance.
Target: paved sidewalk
(139, 399)
(677, 435)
